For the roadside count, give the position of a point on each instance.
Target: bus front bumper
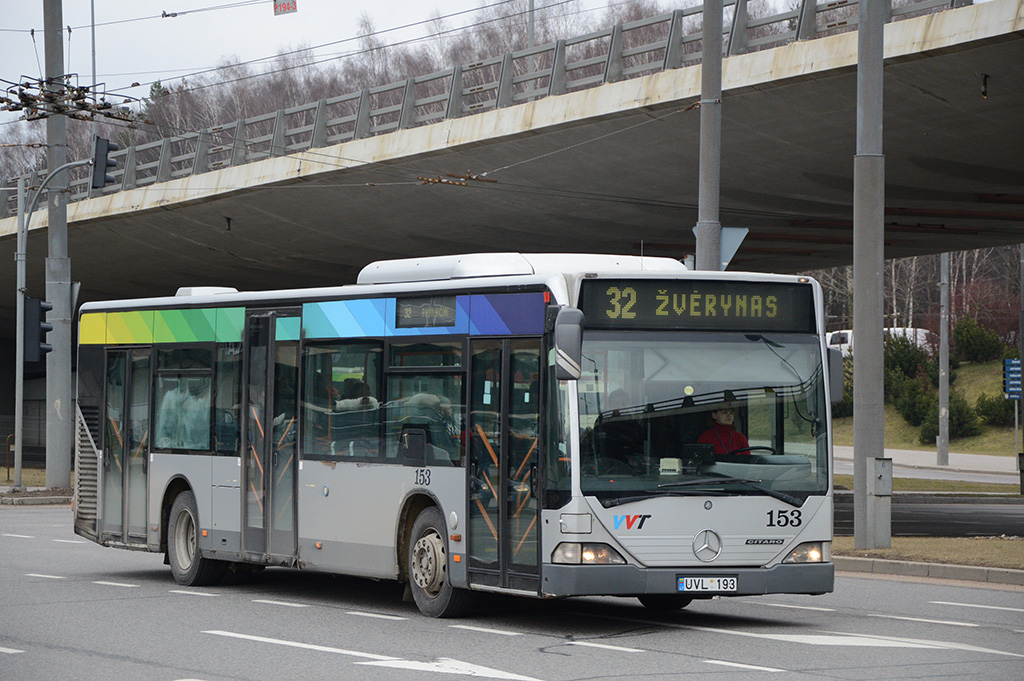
(630, 580)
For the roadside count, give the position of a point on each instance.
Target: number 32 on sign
(286, 7)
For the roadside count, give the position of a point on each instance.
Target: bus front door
(503, 440)
(270, 502)
(126, 446)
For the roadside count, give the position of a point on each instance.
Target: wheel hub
(185, 540)
(428, 563)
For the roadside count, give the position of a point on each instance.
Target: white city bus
(517, 423)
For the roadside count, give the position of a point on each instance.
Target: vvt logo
(630, 520)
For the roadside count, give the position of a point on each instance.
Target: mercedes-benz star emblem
(707, 545)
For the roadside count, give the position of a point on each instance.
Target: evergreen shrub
(972, 342)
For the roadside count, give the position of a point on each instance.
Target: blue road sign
(1011, 379)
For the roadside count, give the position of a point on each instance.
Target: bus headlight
(571, 553)
(811, 552)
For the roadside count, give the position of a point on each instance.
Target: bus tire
(187, 564)
(428, 568)
(664, 602)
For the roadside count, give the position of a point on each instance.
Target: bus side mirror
(568, 344)
(835, 375)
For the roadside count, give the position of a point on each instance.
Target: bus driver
(722, 434)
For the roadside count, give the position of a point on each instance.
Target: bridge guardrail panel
(630, 50)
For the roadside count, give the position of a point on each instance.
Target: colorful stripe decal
(144, 327)
(498, 314)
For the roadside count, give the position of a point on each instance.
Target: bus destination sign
(697, 304)
(418, 313)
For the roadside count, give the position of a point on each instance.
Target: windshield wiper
(750, 484)
(608, 503)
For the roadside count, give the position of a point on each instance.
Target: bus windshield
(702, 413)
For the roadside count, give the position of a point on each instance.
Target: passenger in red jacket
(722, 434)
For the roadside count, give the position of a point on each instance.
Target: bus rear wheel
(428, 568)
(187, 564)
(664, 602)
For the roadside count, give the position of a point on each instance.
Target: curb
(967, 573)
(846, 496)
(35, 501)
(946, 469)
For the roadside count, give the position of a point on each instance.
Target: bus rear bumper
(630, 580)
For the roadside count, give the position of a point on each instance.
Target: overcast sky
(135, 43)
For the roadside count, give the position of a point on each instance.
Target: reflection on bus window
(644, 404)
(341, 400)
(437, 354)
(183, 412)
(432, 403)
(228, 400)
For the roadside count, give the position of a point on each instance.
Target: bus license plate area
(716, 584)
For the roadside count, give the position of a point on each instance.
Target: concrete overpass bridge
(588, 144)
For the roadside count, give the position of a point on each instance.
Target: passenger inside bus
(723, 435)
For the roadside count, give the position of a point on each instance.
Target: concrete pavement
(924, 464)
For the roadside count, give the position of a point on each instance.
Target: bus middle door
(269, 511)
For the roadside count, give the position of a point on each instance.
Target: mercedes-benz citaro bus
(533, 424)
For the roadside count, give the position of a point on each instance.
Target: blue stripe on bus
(477, 315)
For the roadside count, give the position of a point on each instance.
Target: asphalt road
(70, 609)
(939, 518)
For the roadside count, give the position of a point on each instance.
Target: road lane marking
(826, 638)
(744, 666)
(445, 665)
(926, 621)
(605, 646)
(974, 605)
(302, 646)
(375, 615)
(70, 541)
(500, 632)
(799, 607)
(10, 651)
(34, 574)
(441, 665)
(192, 593)
(129, 586)
(284, 603)
(18, 536)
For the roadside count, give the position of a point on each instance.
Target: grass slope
(972, 380)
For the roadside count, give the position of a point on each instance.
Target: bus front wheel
(187, 564)
(428, 568)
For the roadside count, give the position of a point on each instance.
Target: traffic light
(101, 162)
(36, 328)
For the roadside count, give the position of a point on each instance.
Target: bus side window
(341, 400)
(183, 399)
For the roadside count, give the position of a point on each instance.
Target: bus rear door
(126, 445)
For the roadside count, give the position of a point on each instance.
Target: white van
(842, 340)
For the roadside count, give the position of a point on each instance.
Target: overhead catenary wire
(324, 60)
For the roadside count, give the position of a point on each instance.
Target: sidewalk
(927, 460)
(34, 496)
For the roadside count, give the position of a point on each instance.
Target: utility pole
(942, 446)
(868, 275)
(19, 339)
(60, 413)
(709, 228)
(531, 35)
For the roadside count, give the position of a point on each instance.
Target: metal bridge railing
(629, 50)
